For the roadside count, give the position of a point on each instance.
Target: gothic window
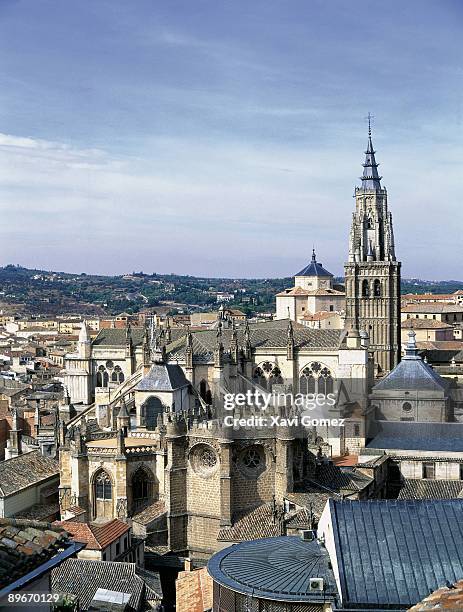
(203, 460)
(102, 377)
(267, 375)
(365, 288)
(377, 288)
(150, 411)
(142, 486)
(369, 223)
(117, 375)
(103, 486)
(251, 461)
(205, 392)
(316, 378)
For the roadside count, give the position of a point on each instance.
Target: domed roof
(277, 568)
(314, 268)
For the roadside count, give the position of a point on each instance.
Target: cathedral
(142, 435)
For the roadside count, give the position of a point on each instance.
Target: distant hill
(42, 291)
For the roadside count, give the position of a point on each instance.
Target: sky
(225, 138)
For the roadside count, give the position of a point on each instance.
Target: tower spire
(370, 176)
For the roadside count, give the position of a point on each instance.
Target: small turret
(123, 417)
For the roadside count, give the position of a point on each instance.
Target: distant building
(312, 293)
(426, 329)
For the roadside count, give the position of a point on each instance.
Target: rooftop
(26, 545)
(424, 324)
(83, 578)
(432, 307)
(117, 337)
(275, 568)
(163, 377)
(444, 598)
(412, 373)
(431, 489)
(193, 591)
(25, 470)
(314, 268)
(96, 536)
(404, 435)
(405, 549)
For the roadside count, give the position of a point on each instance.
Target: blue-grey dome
(314, 268)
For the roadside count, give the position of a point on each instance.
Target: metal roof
(370, 177)
(163, 377)
(314, 268)
(395, 552)
(278, 569)
(418, 436)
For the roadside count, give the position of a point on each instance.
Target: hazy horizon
(225, 140)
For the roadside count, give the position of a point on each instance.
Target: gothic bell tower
(372, 273)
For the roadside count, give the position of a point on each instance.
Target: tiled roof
(430, 489)
(193, 591)
(97, 536)
(26, 470)
(432, 307)
(25, 545)
(293, 291)
(163, 377)
(338, 479)
(395, 552)
(250, 525)
(412, 374)
(268, 334)
(82, 578)
(424, 324)
(150, 513)
(444, 598)
(117, 337)
(265, 521)
(418, 436)
(39, 512)
(313, 498)
(320, 315)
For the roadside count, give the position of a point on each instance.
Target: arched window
(150, 411)
(142, 486)
(377, 288)
(316, 378)
(117, 376)
(267, 375)
(102, 377)
(205, 392)
(365, 288)
(307, 382)
(103, 486)
(369, 223)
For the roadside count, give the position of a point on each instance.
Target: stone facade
(372, 273)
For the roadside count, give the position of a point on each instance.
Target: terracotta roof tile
(97, 536)
(194, 591)
(443, 598)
